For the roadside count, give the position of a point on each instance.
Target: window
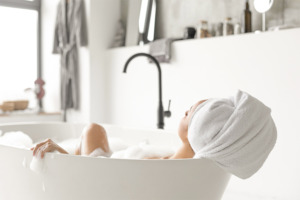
(19, 47)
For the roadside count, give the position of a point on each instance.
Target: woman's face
(184, 123)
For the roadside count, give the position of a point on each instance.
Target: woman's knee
(94, 136)
(93, 129)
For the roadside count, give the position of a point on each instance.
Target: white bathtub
(86, 178)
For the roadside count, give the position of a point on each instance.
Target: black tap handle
(168, 112)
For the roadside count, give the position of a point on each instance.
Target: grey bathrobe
(70, 33)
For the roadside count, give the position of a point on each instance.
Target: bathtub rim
(54, 154)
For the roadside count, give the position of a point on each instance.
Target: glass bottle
(246, 20)
(219, 29)
(228, 27)
(202, 30)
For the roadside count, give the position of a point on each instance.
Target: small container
(218, 29)
(237, 29)
(202, 30)
(228, 28)
(189, 33)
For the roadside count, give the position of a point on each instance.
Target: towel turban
(238, 133)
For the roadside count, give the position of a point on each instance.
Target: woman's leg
(93, 137)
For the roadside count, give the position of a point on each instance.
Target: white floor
(228, 195)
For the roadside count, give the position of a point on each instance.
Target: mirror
(262, 6)
(147, 21)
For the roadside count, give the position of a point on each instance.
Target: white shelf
(193, 42)
(14, 117)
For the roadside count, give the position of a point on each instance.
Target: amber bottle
(247, 23)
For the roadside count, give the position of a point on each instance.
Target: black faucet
(161, 112)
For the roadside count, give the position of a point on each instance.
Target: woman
(238, 133)
(94, 139)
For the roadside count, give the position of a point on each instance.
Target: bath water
(119, 148)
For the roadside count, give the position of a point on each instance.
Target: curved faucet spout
(157, 65)
(160, 107)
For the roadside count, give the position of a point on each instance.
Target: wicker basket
(17, 105)
(7, 106)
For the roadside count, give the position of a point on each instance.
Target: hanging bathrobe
(70, 33)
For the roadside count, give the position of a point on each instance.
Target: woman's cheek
(183, 128)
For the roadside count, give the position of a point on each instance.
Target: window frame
(30, 5)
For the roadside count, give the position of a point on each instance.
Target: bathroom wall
(50, 62)
(265, 65)
(92, 70)
(101, 16)
(174, 15)
(51, 65)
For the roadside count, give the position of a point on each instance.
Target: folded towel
(237, 133)
(161, 49)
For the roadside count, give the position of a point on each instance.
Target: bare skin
(185, 151)
(94, 136)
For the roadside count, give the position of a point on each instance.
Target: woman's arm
(47, 146)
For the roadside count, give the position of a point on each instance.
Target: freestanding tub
(78, 177)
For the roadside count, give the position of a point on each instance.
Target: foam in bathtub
(116, 144)
(144, 150)
(43, 187)
(16, 139)
(37, 164)
(69, 145)
(24, 163)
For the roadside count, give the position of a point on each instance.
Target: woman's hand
(47, 146)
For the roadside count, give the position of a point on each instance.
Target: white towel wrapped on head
(237, 133)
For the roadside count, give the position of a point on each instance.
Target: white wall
(51, 66)
(50, 62)
(265, 65)
(101, 18)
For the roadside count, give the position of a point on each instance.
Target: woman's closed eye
(186, 113)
